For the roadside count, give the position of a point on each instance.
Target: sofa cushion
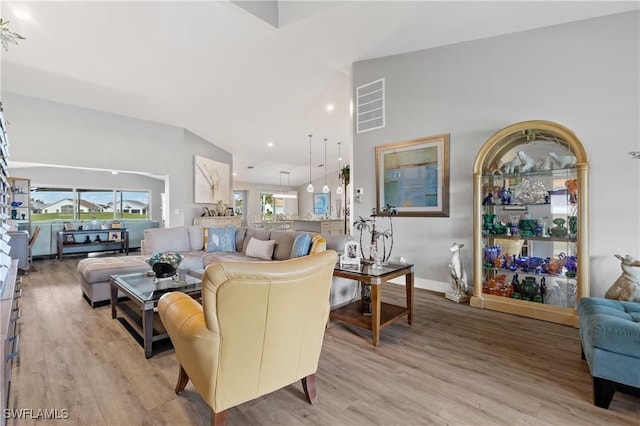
(258, 234)
(284, 243)
(240, 233)
(222, 239)
(301, 246)
(196, 237)
(158, 240)
(260, 248)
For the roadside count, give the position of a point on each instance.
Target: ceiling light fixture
(310, 186)
(339, 188)
(288, 193)
(329, 107)
(325, 188)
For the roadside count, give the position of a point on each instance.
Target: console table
(324, 227)
(76, 241)
(218, 221)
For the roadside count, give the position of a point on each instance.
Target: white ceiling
(235, 80)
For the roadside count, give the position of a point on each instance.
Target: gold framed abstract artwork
(413, 176)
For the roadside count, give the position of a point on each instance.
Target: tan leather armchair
(260, 328)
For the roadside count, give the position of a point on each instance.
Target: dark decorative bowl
(163, 270)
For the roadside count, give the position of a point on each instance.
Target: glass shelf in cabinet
(559, 173)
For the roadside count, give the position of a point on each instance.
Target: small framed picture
(69, 239)
(351, 254)
(114, 236)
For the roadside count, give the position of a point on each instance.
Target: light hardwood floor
(455, 365)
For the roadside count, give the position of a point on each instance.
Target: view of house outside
(81, 204)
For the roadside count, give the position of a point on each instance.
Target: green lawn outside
(103, 217)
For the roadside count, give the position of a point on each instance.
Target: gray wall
(50, 133)
(584, 75)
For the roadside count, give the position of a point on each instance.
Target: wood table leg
(409, 288)
(376, 303)
(114, 300)
(147, 330)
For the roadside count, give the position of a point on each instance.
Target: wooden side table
(382, 314)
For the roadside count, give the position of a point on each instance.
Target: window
(88, 204)
(239, 203)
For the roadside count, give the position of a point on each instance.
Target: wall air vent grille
(370, 106)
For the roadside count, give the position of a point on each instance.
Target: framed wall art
(321, 203)
(211, 182)
(413, 176)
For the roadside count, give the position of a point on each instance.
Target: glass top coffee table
(142, 293)
(382, 314)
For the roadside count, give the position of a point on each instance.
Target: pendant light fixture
(310, 186)
(339, 188)
(325, 188)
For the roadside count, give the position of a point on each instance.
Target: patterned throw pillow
(221, 239)
(260, 248)
(318, 244)
(301, 246)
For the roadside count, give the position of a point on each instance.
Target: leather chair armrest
(197, 348)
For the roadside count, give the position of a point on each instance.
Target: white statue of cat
(564, 161)
(627, 286)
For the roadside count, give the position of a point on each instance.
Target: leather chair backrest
(270, 318)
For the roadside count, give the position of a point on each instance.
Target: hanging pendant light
(339, 188)
(325, 188)
(310, 186)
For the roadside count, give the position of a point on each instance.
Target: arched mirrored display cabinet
(530, 222)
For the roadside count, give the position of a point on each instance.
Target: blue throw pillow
(222, 239)
(301, 245)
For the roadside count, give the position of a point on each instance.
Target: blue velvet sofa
(610, 336)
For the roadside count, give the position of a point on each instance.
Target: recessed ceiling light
(234, 174)
(22, 15)
(269, 144)
(329, 107)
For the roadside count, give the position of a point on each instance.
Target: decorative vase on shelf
(220, 208)
(559, 230)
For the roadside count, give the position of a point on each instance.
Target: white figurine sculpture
(458, 276)
(509, 166)
(528, 162)
(627, 286)
(564, 161)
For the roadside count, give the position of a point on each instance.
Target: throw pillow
(221, 239)
(301, 246)
(318, 244)
(260, 249)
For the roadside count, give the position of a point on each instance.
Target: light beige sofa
(190, 241)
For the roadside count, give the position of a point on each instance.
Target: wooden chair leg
(183, 379)
(219, 419)
(309, 386)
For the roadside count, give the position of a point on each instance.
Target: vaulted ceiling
(239, 81)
